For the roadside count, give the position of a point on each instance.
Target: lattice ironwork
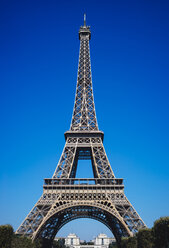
(84, 116)
(74, 147)
(82, 200)
(66, 198)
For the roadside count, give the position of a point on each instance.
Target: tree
(6, 235)
(90, 243)
(59, 243)
(24, 242)
(161, 232)
(130, 242)
(145, 238)
(112, 245)
(83, 243)
(21, 242)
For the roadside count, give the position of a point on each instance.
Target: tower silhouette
(66, 197)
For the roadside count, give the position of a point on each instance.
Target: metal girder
(74, 147)
(84, 115)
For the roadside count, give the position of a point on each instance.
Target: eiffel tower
(65, 197)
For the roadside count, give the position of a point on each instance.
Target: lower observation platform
(79, 183)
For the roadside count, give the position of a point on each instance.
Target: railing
(81, 181)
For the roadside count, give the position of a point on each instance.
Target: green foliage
(6, 234)
(112, 245)
(24, 242)
(87, 243)
(145, 238)
(157, 237)
(59, 243)
(37, 244)
(90, 243)
(124, 242)
(83, 243)
(161, 233)
(21, 242)
(130, 242)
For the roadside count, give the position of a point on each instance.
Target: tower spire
(84, 115)
(84, 20)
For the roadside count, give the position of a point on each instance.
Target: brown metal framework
(66, 198)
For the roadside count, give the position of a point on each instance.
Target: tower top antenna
(85, 20)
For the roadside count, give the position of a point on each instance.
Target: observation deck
(83, 183)
(84, 30)
(88, 134)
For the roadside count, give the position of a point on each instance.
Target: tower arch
(57, 218)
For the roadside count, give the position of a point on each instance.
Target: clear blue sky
(39, 49)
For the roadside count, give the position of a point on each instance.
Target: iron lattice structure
(66, 198)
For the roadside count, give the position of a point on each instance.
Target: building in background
(101, 241)
(72, 240)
